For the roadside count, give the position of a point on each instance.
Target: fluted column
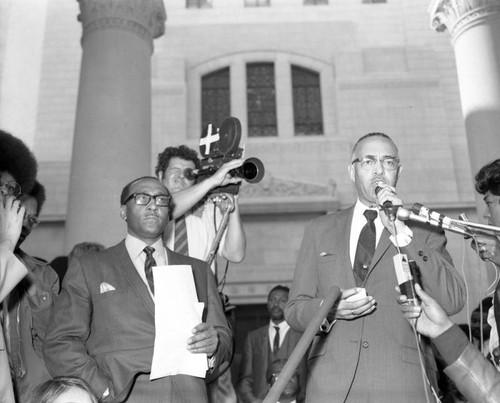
(474, 26)
(112, 140)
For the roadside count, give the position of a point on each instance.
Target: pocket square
(105, 287)
(323, 254)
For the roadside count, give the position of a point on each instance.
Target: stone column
(112, 140)
(474, 26)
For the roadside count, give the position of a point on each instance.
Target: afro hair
(18, 160)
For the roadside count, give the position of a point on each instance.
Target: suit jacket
(11, 272)
(374, 357)
(108, 339)
(253, 383)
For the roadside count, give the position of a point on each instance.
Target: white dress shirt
(283, 326)
(135, 248)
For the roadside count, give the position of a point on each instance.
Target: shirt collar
(135, 246)
(283, 325)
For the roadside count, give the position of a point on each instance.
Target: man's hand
(487, 247)
(388, 193)
(222, 177)
(11, 221)
(205, 340)
(430, 319)
(348, 310)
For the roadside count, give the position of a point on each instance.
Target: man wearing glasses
(103, 326)
(28, 307)
(365, 351)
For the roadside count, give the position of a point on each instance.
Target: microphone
(387, 206)
(422, 214)
(404, 275)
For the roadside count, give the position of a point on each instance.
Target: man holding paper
(139, 322)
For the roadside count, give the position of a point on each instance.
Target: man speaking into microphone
(365, 351)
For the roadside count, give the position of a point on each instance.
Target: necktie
(365, 248)
(181, 239)
(276, 342)
(148, 267)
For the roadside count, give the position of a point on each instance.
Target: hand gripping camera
(221, 145)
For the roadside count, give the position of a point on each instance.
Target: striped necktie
(148, 267)
(181, 240)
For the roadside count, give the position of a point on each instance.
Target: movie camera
(221, 145)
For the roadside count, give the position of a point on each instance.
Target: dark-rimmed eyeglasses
(12, 188)
(143, 199)
(368, 163)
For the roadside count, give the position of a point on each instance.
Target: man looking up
(103, 326)
(365, 350)
(199, 218)
(265, 346)
(29, 306)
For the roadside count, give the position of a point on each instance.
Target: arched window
(261, 100)
(215, 97)
(307, 114)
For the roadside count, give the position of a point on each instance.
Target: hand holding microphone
(390, 203)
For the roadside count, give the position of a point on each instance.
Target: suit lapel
(127, 268)
(343, 241)
(383, 245)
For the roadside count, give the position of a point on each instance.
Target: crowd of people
(113, 325)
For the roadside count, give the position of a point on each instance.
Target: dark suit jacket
(374, 357)
(252, 382)
(107, 339)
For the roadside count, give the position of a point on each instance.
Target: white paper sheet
(177, 312)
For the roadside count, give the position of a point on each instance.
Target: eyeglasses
(32, 220)
(143, 199)
(368, 163)
(12, 188)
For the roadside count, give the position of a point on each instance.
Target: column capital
(144, 17)
(459, 15)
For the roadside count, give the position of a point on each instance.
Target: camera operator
(201, 222)
(202, 219)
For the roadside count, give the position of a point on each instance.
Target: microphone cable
(425, 378)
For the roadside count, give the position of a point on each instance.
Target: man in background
(488, 246)
(266, 349)
(28, 307)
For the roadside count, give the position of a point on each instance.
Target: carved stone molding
(459, 15)
(146, 18)
(271, 187)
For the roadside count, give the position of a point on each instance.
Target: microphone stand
(476, 227)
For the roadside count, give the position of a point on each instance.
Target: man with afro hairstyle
(18, 169)
(17, 164)
(28, 307)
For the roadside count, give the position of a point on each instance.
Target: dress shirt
(284, 327)
(201, 231)
(135, 248)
